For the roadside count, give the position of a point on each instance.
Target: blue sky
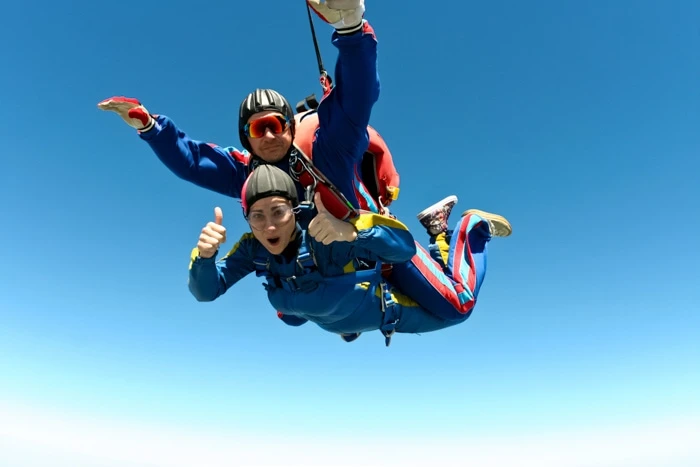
(578, 123)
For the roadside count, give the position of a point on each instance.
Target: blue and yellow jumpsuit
(331, 292)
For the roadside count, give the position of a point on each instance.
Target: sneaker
(434, 218)
(498, 225)
(349, 337)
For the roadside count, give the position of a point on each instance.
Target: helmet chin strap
(255, 160)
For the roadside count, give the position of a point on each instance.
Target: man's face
(269, 135)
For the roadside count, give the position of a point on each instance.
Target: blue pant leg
(466, 262)
(450, 293)
(416, 319)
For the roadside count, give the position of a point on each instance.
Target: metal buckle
(292, 282)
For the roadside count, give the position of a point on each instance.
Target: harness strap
(304, 283)
(389, 310)
(305, 260)
(311, 277)
(303, 170)
(387, 302)
(261, 265)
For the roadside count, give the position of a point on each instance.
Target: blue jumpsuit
(331, 294)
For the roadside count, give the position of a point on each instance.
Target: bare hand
(326, 228)
(212, 236)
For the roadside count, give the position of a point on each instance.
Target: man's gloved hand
(344, 15)
(134, 114)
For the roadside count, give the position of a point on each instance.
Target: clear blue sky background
(577, 122)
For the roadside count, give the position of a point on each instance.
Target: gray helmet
(261, 100)
(265, 181)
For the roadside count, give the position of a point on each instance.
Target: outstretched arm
(209, 166)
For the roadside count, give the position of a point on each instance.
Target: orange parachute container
(377, 171)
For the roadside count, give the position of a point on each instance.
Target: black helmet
(265, 181)
(261, 100)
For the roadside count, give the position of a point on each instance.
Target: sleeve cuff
(154, 129)
(351, 30)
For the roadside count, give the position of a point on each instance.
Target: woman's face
(272, 221)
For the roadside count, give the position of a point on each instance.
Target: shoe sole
(431, 208)
(500, 224)
(351, 337)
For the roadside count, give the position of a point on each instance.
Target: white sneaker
(434, 218)
(498, 225)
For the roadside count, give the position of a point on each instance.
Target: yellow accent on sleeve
(246, 236)
(369, 220)
(193, 256)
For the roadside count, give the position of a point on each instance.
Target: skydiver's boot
(349, 337)
(434, 218)
(498, 225)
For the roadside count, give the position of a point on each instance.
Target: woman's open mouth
(273, 241)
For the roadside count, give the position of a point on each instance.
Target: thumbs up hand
(213, 234)
(326, 228)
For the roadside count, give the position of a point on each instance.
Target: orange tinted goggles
(258, 127)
